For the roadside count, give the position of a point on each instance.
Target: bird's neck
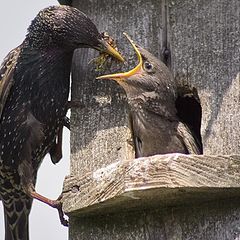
(46, 60)
(153, 103)
(40, 41)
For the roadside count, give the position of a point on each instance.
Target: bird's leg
(52, 203)
(26, 173)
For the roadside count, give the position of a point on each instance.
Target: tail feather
(16, 213)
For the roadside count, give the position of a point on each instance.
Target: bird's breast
(155, 134)
(41, 89)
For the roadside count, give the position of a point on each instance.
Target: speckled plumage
(34, 89)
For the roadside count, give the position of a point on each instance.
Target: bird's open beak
(125, 75)
(107, 48)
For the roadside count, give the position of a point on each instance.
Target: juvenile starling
(160, 118)
(34, 89)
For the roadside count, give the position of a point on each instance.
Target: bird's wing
(136, 140)
(6, 75)
(188, 139)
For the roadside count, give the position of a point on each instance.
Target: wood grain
(163, 180)
(100, 131)
(205, 46)
(218, 220)
(172, 197)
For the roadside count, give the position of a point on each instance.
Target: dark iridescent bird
(165, 117)
(34, 89)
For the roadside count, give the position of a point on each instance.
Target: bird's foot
(52, 203)
(58, 205)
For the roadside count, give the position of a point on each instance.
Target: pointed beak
(125, 75)
(107, 48)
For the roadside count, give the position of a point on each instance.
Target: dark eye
(148, 67)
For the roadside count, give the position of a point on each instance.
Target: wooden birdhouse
(109, 194)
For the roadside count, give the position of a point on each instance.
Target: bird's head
(68, 28)
(150, 75)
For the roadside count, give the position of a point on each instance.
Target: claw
(52, 203)
(63, 220)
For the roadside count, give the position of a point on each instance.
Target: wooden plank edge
(161, 180)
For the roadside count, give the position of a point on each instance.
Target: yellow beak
(122, 76)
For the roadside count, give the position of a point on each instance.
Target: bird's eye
(148, 67)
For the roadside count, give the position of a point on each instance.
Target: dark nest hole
(189, 111)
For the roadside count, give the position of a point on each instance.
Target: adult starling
(160, 114)
(34, 89)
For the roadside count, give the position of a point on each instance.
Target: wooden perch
(161, 180)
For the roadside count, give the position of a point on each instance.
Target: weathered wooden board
(204, 37)
(100, 131)
(204, 40)
(205, 45)
(161, 180)
(219, 220)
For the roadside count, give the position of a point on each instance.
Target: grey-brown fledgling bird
(164, 120)
(34, 89)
